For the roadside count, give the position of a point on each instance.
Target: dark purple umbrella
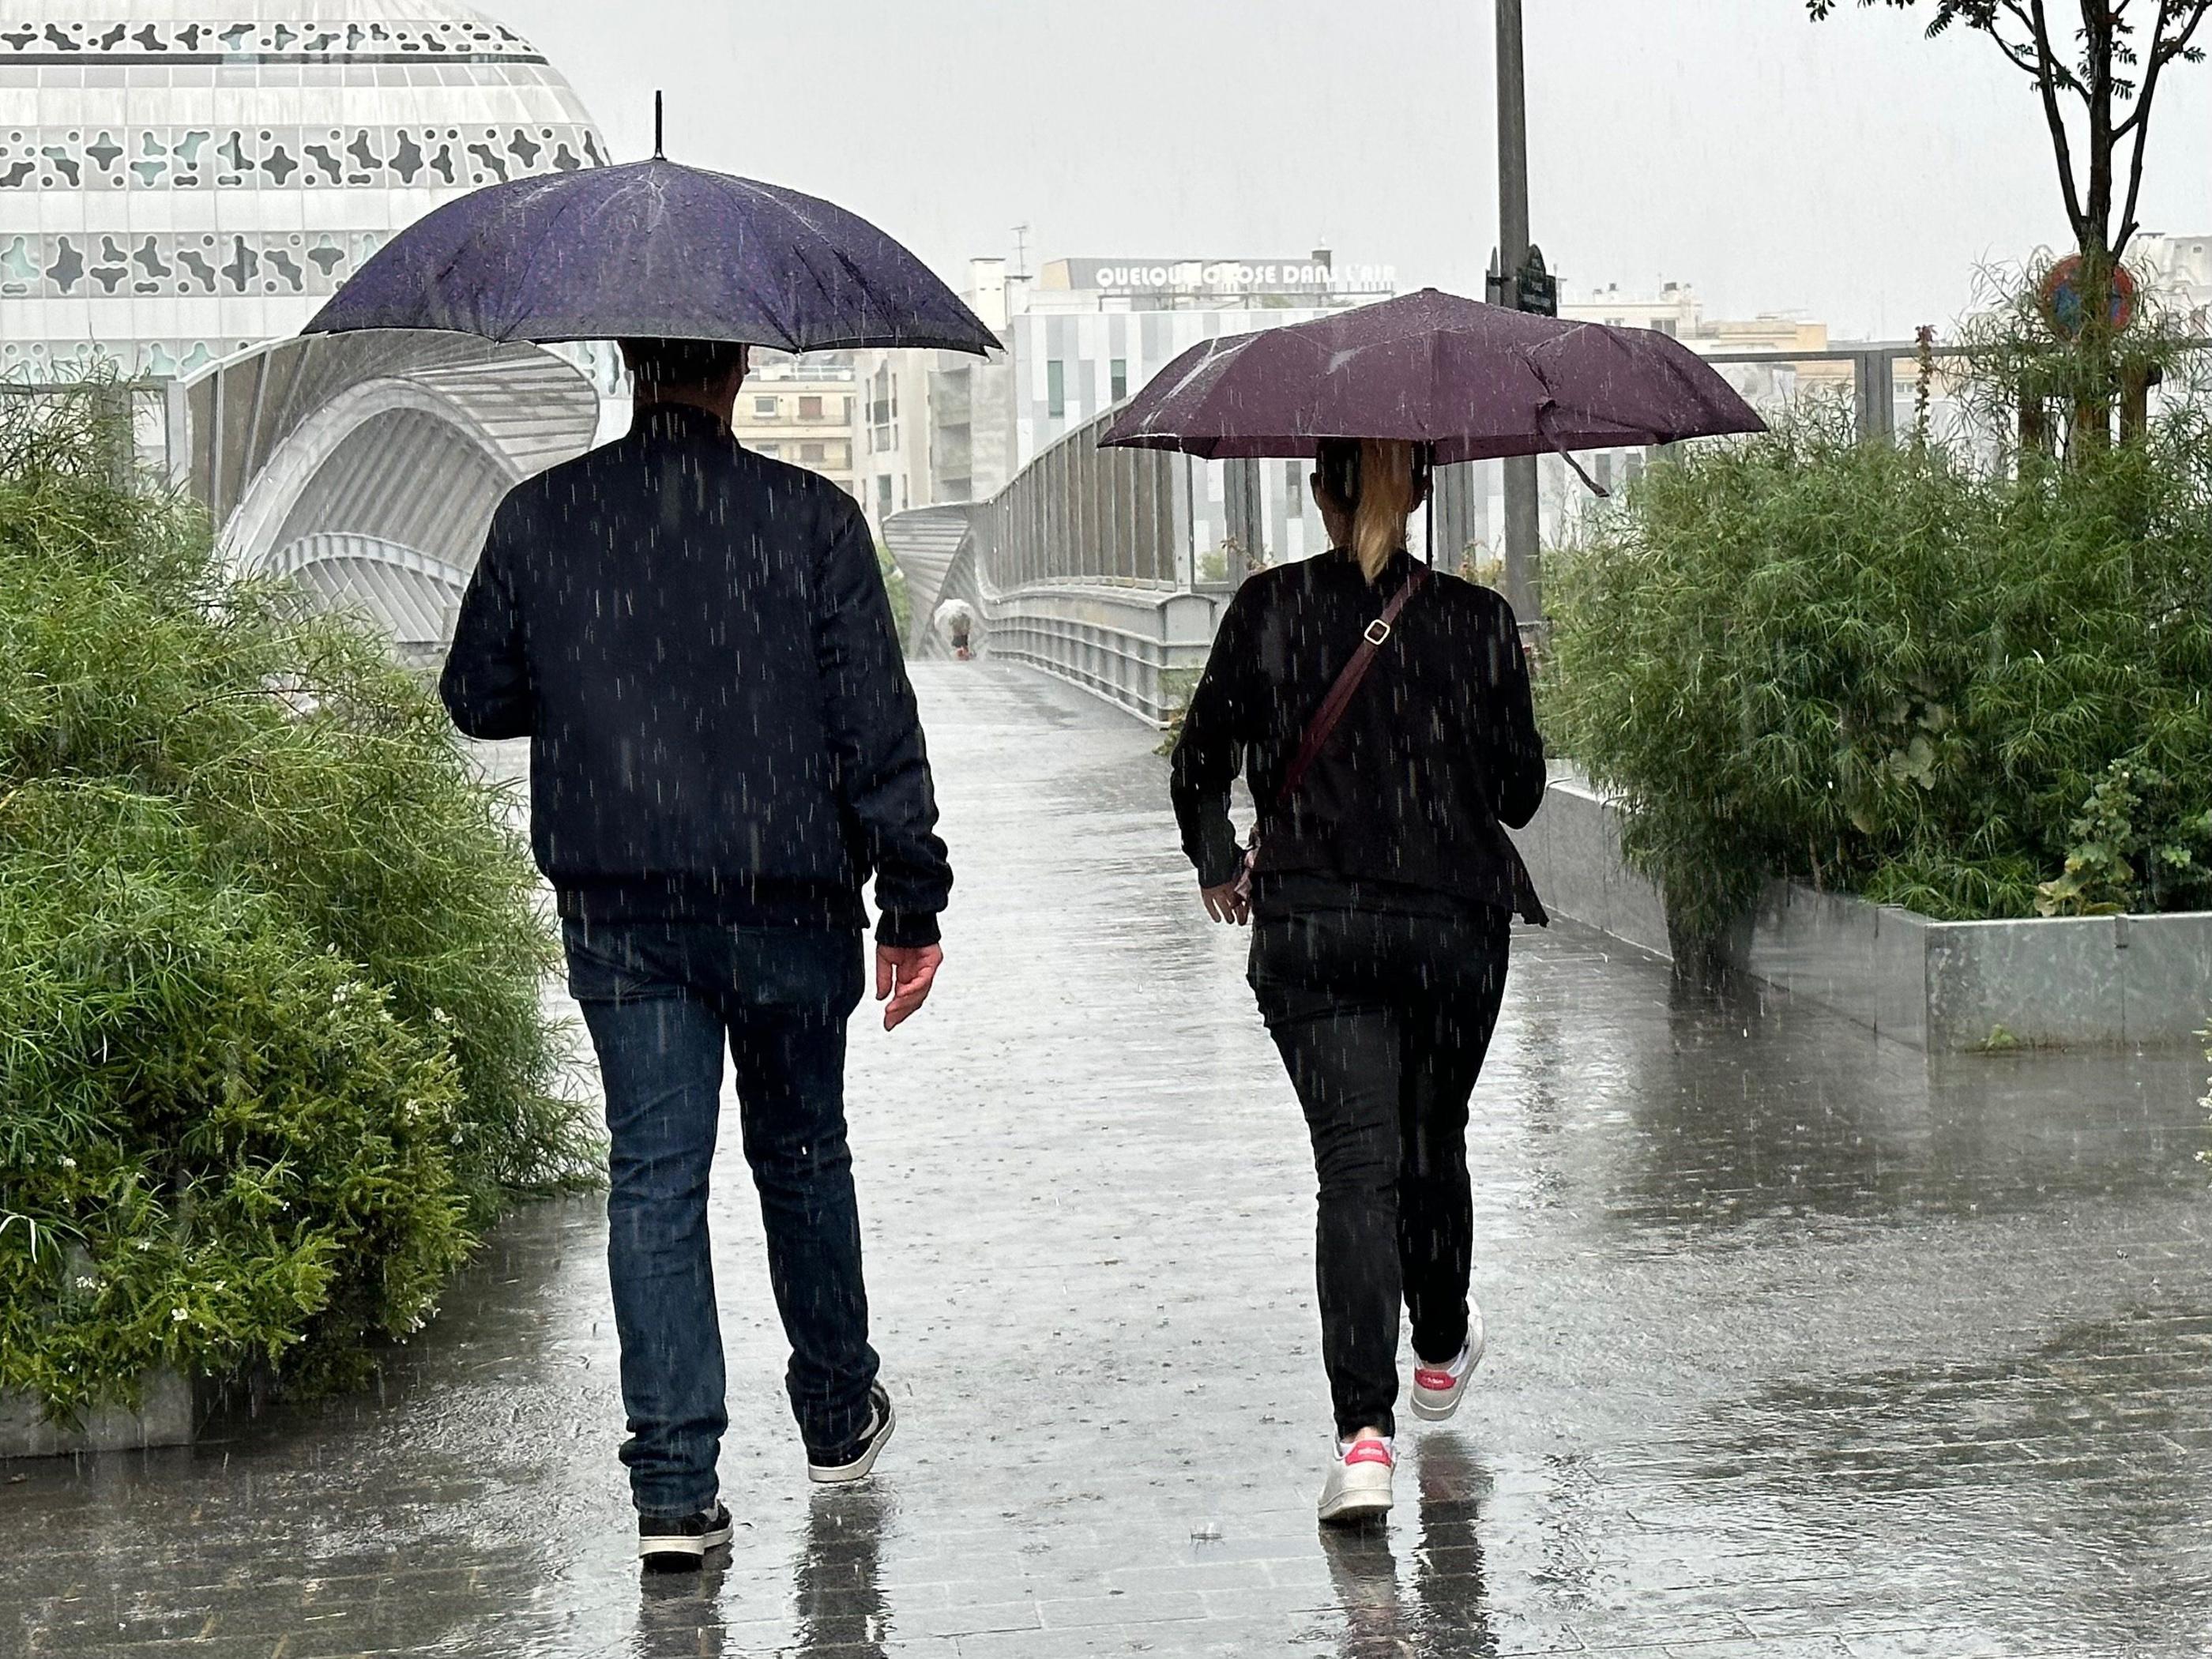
(1472, 381)
(651, 249)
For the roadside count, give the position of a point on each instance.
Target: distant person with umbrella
(724, 747)
(1381, 712)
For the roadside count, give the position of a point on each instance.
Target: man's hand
(1226, 903)
(904, 974)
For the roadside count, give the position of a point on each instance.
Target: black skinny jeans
(1382, 1020)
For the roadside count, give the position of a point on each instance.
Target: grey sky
(1848, 171)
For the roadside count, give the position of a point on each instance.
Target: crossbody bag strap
(1332, 708)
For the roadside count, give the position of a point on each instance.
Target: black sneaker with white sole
(853, 1461)
(681, 1541)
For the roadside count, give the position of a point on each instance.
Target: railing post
(1240, 509)
(1182, 481)
(1874, 378)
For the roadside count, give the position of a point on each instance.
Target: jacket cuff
(904, 930)
(1221, 857)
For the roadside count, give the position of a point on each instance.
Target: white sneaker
(1358, 1484)
(1437, 1388)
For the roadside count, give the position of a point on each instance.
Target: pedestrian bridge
(1800, 1343)
(1086, 566)
(1109, 567)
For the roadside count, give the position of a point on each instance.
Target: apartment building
(801, 411)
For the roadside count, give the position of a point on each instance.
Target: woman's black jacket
(1437, 751)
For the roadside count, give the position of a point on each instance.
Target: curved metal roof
(98, 17)
(368, 465)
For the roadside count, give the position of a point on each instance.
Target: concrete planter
(1943, 986)
(170, 1416)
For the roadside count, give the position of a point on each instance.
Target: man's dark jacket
(697, 643)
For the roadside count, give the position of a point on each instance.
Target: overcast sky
(1851, 171)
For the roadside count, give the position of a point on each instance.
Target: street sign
(1535, 291)
(2064, 308)
(1539, 288)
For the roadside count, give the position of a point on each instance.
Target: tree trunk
(2093, 398)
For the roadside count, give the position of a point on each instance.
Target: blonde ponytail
(1387, 500)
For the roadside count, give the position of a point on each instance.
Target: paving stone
(1803, 1347)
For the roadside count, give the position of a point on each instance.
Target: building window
(763, 409)
(809, 452)
(1055, 388)
(770, 450)
(810, 409)
(1120, 378)
(884, 496)
(1665, 326)
(1294, 489)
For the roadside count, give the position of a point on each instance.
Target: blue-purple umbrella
(655, 249)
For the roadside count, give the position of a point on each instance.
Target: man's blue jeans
(662, 999)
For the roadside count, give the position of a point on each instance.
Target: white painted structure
(183, 183)
(365, 466)
(180, 180)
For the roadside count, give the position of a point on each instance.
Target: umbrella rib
(530, 270)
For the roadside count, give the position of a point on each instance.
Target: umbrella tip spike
(657, 155)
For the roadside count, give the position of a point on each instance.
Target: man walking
(724, 746)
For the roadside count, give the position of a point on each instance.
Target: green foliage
(271, 1047)
(1229, 563)
(2018, 366)
(895, 589)
(1879, 671)
(1177, 687)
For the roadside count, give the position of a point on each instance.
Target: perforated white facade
(181, 178)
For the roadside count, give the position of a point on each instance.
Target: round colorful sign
(2063, 303)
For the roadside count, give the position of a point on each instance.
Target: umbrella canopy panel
(1474, 381)
(655, 249)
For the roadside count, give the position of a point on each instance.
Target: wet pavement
(1801, 1345)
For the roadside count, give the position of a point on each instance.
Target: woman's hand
(1227, 902)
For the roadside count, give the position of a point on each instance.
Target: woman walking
(1381, 714)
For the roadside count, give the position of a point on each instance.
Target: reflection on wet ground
(1801, 1345)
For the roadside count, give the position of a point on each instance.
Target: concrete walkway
(1800, 1345)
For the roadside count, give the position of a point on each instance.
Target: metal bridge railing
(1082, 566)
(1109, 567)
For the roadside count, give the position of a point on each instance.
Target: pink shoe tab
(1434, 1381)
(1369, 1451)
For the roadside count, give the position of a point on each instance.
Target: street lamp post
(1522, 528)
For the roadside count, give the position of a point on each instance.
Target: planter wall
(170, 1416)
(1944, 985)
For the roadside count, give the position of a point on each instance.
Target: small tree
(2098, 83)
(2112, 72)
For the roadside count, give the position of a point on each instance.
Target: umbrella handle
(1544, 430)
(1425, 469)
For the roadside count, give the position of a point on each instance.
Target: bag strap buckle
(1377, 631)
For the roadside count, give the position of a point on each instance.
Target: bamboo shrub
(1979, 692)
(272, 1050)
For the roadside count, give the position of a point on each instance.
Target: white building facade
(183, 183)
(2179, 269)
(1082, 336)
(179, 181)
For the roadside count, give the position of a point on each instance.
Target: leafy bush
(895, 587)
(271, 1047)
(1878, 669)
